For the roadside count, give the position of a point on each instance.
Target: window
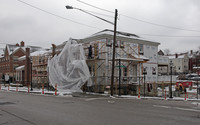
(141, 52)
(154, 70)
(125, 71)
(15, 58)
(122, 44)
(145, 70)
(109, 42)
(117, 43)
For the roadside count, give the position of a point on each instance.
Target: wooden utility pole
(113, 56)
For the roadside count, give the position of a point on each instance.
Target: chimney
(191, 51)
(22, 43)
(17, 44)
(27, 67)
(176, 55)
(27, 52)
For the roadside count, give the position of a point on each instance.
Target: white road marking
(91, 99)
(162, 106)
(178, 108)
(184, 109)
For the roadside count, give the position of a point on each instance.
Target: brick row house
(194, 62)
(11, 62)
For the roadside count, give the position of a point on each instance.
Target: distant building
(37, 63)
(180, 63)
(39, 67)
(194, 62)
(9, 60)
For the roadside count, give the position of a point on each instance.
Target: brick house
(194, 62)
(11, 59)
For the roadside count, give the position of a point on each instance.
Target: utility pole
(113, 56)
(119, 76)
(171, 80)
(144, 73)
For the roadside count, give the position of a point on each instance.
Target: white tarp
(69, 69)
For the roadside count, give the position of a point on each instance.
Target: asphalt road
(29, 109)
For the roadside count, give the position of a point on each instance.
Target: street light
(70, 7)
(144, 73)
(171, 65)
(31, 61)
(114, 39)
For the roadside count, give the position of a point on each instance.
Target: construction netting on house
(69, 69)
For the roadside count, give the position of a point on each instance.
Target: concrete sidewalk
(90, 94)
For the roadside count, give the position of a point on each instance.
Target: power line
(166, 35)
(57, 15)
(155, 24)
(160, 25)
(99, 13)
(89, 25)
(95, 6)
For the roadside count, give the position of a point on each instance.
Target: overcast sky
(19, 21)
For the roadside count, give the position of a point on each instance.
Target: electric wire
(89, 25)
(156, 35)
(57, 15)
(95, 6)
(155, 24)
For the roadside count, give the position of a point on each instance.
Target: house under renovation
(134, 59)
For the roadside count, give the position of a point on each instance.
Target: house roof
(180, 56)
(1, 52)
(118, 33)
(41, 52)
(20, 67)
(108, 34)
(13, 48)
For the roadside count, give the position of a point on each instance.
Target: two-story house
(133, 56)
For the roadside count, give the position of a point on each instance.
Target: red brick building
(9, 61)
(194, 62)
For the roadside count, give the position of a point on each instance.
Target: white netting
(69, 69)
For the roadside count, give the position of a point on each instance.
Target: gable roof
(123, 36)
(14, 48)
(118, 33)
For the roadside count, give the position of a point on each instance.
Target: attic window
(141, 52)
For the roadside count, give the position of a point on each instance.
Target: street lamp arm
(70, 7)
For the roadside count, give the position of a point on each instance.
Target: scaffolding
(128, 65)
